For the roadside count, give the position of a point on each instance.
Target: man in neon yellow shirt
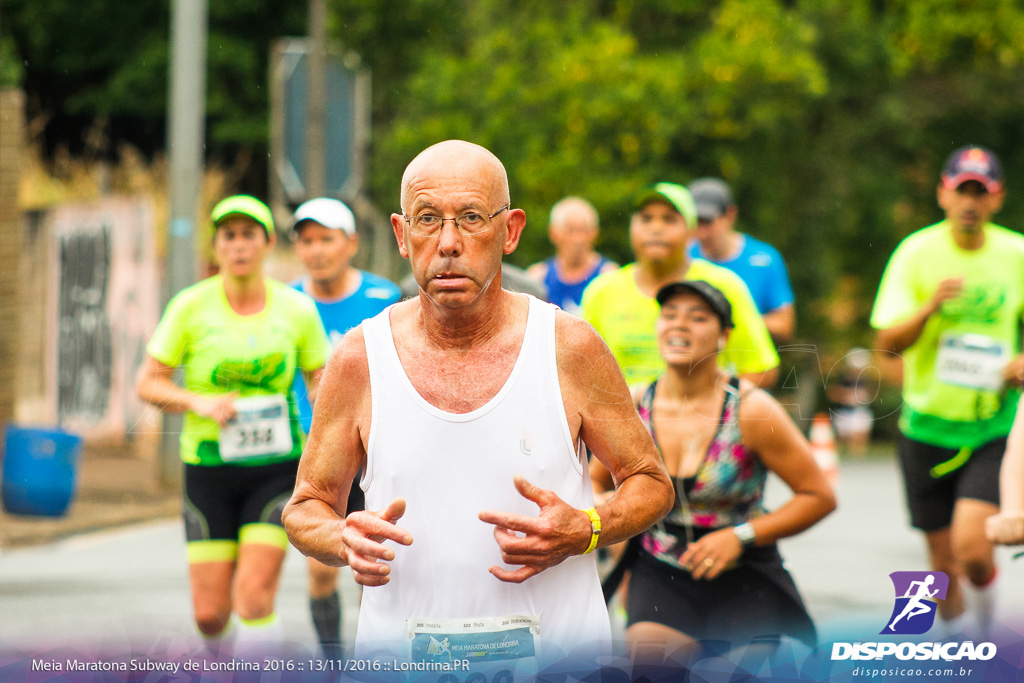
(621, 306)
(950, 303)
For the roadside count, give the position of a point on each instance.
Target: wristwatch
(745, 532)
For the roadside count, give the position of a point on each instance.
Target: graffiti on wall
(84, 350)
(105, 302)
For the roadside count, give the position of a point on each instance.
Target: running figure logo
(916, 592)
(438, 647)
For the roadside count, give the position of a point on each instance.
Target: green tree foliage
(830, 118)
(96, 72)
(11, 71)
(595, 110)
(89, 65)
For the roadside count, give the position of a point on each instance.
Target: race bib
(972, 361)
(478, 640)
(261, 428)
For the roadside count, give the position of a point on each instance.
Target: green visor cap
(677, 196)
(243, 205)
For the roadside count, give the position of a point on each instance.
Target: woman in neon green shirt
(239, 337)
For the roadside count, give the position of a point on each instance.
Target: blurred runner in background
(621, 306)
(951, 302)
(758, 263)
(240, 338)
(573, 229)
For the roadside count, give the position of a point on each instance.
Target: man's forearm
(900, 337)
(639, 501)
(315, 530)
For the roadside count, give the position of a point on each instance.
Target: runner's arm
(1013, 373)
(1007, 527)
(600, 411)
(599, 403)
(601, 481)
(901, 336)
(538, 271)
(315, 515)
(768, 431)
(765, 379)
(781, 323)
(312, 379)
(155, 384)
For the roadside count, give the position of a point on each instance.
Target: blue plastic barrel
(39, 471)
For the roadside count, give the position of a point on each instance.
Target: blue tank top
(565, 295)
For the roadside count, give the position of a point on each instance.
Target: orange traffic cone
(823, 446)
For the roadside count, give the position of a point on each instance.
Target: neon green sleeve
(314, 345)
(589, 307)
(170, 339)
(750, 348)
(896, 300)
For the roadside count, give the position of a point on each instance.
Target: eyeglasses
(471, 223)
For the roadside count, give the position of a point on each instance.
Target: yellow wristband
(595, 529)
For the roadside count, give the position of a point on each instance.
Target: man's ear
(398, 225)
(514, 226)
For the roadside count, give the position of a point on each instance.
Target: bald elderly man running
(470, 406)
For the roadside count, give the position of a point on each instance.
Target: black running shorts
(226, 505)
(933, 483)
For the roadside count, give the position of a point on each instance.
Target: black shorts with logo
(931, 497)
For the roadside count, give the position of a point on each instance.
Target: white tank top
(449, 467)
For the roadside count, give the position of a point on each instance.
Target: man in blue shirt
(325, 241)
(759, 264)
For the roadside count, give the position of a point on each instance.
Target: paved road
(130, 587)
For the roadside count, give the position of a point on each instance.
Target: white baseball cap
(328, 212)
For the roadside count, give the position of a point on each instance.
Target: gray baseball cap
(712, 196)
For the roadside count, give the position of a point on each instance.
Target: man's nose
(449, 238)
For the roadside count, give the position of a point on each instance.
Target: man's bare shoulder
(350, 351)
(346, 378)
(576, 334)
(579, 348)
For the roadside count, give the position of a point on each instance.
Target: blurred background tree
(830, 118)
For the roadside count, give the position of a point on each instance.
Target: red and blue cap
(973, 163)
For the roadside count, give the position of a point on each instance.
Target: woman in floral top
(711, 569)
